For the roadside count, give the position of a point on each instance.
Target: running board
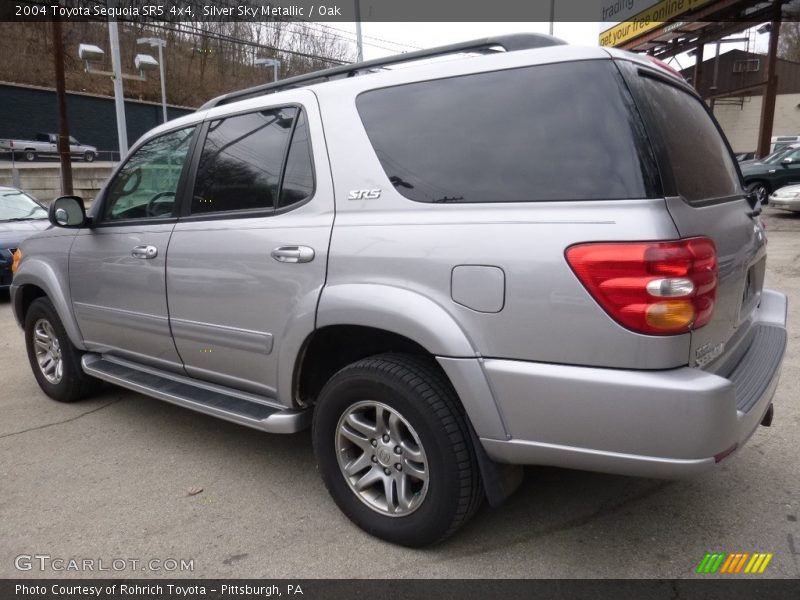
(218, 401)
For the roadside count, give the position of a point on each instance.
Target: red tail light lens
(657, 288)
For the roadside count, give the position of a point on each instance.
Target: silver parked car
(786, 198)
(46, 144)
(447, 271)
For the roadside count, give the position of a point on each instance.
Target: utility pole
(698, 68)
(552, 14)
(119, 97)
(63, 125)
(359, 42)
(770, 89)
(162, 70)
(715, 78)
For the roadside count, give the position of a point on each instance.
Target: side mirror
(786, 162)
(67, 211)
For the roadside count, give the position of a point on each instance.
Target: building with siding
(26, 110)
(734, 90)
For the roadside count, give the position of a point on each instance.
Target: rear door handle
(293, 254)
(145, 252)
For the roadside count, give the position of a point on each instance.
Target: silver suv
(536, 256)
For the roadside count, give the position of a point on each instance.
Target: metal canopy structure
(709, 23)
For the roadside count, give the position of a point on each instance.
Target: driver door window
(145, 187)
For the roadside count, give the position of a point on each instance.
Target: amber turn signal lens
(16, 257)
(670, 315)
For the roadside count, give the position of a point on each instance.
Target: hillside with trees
(202, 60)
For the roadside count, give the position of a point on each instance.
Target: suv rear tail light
(657, 288)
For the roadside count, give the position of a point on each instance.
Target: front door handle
(146, 252)
(293, 254)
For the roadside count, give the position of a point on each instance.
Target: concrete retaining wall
(43, 180)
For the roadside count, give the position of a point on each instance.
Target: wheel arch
(331, 348)
(37, 279)
(327, 351)
(398, 310)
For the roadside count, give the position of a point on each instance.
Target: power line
(193, 30)
(314, 25)
(410, 46)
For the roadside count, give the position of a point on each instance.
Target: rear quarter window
(566, 131)
(703, 168)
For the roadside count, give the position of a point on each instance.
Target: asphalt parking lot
(114, 477)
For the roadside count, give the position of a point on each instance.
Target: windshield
(778, 154)
(18, 206)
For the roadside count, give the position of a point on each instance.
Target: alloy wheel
(382, 459)
(48, 351)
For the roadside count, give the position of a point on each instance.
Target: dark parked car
(20, 217)
(742, 156)
(781, 168)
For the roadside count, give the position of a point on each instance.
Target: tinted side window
(146, 185)
(552, 132)
(702, 166)
(240, 166)
(298, 178)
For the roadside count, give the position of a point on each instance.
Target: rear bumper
(648, 423)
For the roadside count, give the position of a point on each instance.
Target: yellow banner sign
(648, 20)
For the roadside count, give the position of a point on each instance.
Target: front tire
(88, 157)
(394, 450)
(55, 362)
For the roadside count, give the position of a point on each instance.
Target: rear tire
(88, 157)
(55, 362)
(30, 155)
(418, 453)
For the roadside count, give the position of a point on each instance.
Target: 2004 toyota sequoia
(542, 255)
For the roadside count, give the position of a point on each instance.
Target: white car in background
(786, 198)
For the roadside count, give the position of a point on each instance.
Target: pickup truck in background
(45, 144)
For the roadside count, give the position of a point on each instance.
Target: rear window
(552, 132)
(702, 166)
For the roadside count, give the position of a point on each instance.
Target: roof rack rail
(510, 43)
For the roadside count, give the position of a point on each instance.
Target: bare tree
(789, 42)
(203, 59)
